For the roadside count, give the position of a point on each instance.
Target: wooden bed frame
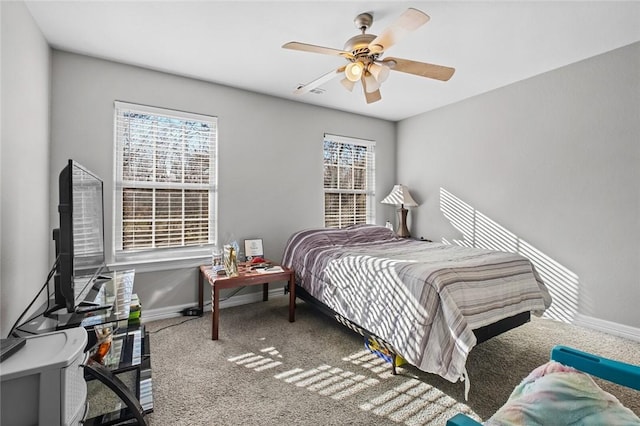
(482, 334)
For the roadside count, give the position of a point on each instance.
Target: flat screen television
(79, 240)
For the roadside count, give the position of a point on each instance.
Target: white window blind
(166, 179)
(349, 181)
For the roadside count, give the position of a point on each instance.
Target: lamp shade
(371, 84)
(379, 72)
(353, 71)
(348, 84)
(400, 195)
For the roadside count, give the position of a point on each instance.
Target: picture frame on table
(253, 248)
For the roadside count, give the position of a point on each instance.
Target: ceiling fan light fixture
(354, 70)
(379, 72)
(371, 84)
(362, 53)
(348, 84)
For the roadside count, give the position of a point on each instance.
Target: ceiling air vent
(316, 90)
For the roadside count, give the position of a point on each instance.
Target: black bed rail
(482, 334)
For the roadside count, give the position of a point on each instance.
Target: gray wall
(25, 234)
(550, 167)
(270, 153)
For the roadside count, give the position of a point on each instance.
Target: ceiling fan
(363, 53)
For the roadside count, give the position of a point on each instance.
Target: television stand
(123, 378)
(105, 376)
(85, 307)
(120, 386)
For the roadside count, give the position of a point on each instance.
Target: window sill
(161, 264)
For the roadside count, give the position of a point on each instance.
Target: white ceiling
(238, 44)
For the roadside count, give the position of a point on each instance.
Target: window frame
(123, 258)
(370, 172)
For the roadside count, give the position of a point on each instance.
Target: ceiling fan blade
(438, 72)
(409, 21)
(370, 97)
(294, 45)
(373, 96)
(319, 81)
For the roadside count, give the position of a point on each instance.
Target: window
(166, 179)
(349, 171)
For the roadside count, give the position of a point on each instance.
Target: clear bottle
(216, 259)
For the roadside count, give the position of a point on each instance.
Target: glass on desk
(216, 259)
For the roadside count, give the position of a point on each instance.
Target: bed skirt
(482, 334)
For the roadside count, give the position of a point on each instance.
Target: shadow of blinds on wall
(480, 231)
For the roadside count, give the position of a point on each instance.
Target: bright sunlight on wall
(480, 231)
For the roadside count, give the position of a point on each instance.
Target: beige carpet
(267, 371)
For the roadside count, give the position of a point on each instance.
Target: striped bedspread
(425, 299)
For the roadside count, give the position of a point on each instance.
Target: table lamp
(400, 196)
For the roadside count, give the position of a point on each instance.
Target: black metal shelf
(120, 388)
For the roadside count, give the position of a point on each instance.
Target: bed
(562, 392)
(428, 302)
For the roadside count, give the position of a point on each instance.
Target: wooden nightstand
(246, 276)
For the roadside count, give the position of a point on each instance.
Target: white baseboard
(176, 310)
(616, 329)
